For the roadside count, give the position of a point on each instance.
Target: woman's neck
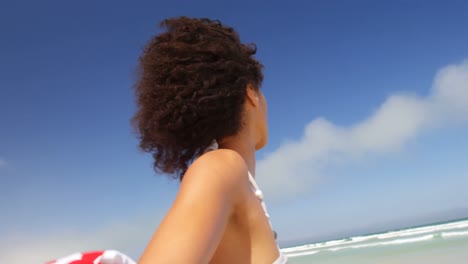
(243, 145)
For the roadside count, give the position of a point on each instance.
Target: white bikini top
(259, 195)
(282, 259)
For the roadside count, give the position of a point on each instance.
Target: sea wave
(454, 234)
(302, 254)
(423, 230)
(382, 239)
(386, 243)
(317, 245)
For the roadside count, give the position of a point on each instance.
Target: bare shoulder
(208, 197)
(221, 159)
(223, 169)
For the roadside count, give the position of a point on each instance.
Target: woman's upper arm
(194, 225)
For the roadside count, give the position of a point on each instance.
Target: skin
(216, 217)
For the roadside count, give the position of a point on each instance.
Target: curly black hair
(190, 90)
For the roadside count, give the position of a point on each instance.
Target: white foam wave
(298, 248)
(362, 238)
(356, 241)
(302, 254)
(423, 230)
(454, 234)
(408, 240)
(317, 245)
(386, 243)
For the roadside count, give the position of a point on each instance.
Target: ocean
(441, 243)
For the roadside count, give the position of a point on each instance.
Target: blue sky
(367, 118)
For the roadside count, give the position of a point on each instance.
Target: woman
(202, 116)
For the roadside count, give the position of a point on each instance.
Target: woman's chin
(261, 143)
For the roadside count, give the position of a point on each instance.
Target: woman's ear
(252, 95)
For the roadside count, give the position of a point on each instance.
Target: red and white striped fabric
(95, 257)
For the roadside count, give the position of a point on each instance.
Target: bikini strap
(260, 197)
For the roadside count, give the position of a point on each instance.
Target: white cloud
(297, 166)
(32, 247)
